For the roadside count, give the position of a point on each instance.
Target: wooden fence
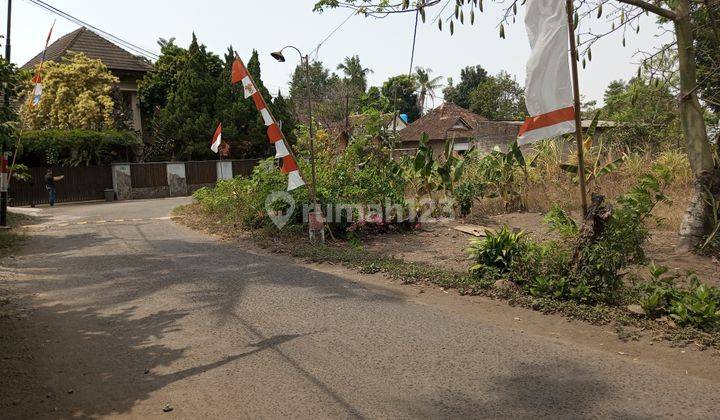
(79, 184)
(89, 182)
(144, 175)
(197, 173)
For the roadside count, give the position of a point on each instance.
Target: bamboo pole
(576, 95)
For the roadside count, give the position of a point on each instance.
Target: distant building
(466, 129)
(124, 65)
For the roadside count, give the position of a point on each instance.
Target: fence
(78, 184)
(129, 180)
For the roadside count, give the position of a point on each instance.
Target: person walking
(50, 185)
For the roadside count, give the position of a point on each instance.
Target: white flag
(548, 84)
(280, 149)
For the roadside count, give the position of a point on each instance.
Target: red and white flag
(37, 79)
(548, 84)
(217, 139)
(275, 135)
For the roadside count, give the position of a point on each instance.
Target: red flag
(239, 72)
(288, 165)
(217, 139)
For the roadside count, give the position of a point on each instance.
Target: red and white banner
(217, 139)
(548, 83)
(37, 79)
(275, 135)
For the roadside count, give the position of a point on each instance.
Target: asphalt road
(133, 312)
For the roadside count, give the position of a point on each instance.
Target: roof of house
(94, 46)
(446, 121)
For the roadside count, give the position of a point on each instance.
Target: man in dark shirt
(50, 185)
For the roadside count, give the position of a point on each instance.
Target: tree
(470, 78)
(190, 111)
(373, 100)
(426, 85)
(647, 113)
(401, 92)
(355, 74)
(155, 87)
(76, 94)
(499, 98)
(14, 81)
(625, 15)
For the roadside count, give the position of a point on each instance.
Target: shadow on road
(93, 345)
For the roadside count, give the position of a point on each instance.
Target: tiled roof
(94, 46)
(444, 122)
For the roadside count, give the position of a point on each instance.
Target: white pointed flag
(548, 84)
(280, 149)
(294, 180)
(217, 139)
(267, 118)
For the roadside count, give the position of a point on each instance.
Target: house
(466, 129)
(124, 65)
(446, 122)
(343, 131)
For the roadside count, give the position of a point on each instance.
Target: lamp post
(305, 61)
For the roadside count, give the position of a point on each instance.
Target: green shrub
(497, 250)
(548, 269)
(78, 147)
(691, 304)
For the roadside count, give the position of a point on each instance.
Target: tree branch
(668, 14)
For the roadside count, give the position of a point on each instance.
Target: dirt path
(126, 312)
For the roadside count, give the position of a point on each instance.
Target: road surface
(132, 313)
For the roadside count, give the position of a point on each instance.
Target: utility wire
(130, 46)
(316, 51)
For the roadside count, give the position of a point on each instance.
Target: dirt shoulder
(441, 244)
(638, 343)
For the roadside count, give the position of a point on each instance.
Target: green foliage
(401, 91)
(470, 79)
(559, 221)
(76, 147)
(647, 113)
(355, 74)
(499, 98)
(690, 304)
(362, 174)
(547, 269)
(76, 95)
(497, 250)
(14, 81)
(189, 116)
(189, 92)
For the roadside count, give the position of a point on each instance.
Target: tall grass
(549, 185)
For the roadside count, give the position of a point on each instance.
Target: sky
(384, 45)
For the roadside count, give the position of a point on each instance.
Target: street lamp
(305, 61)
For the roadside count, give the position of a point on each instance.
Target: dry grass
(548, 185)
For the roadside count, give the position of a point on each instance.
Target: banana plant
(594, 168)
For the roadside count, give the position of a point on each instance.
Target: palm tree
(426, 85)
(355, 73)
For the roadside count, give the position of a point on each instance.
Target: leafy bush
(594, 272)
(497, 250)
(77, 147)
(694, 304)
(363, 174)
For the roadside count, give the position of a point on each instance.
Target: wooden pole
(576, 95)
